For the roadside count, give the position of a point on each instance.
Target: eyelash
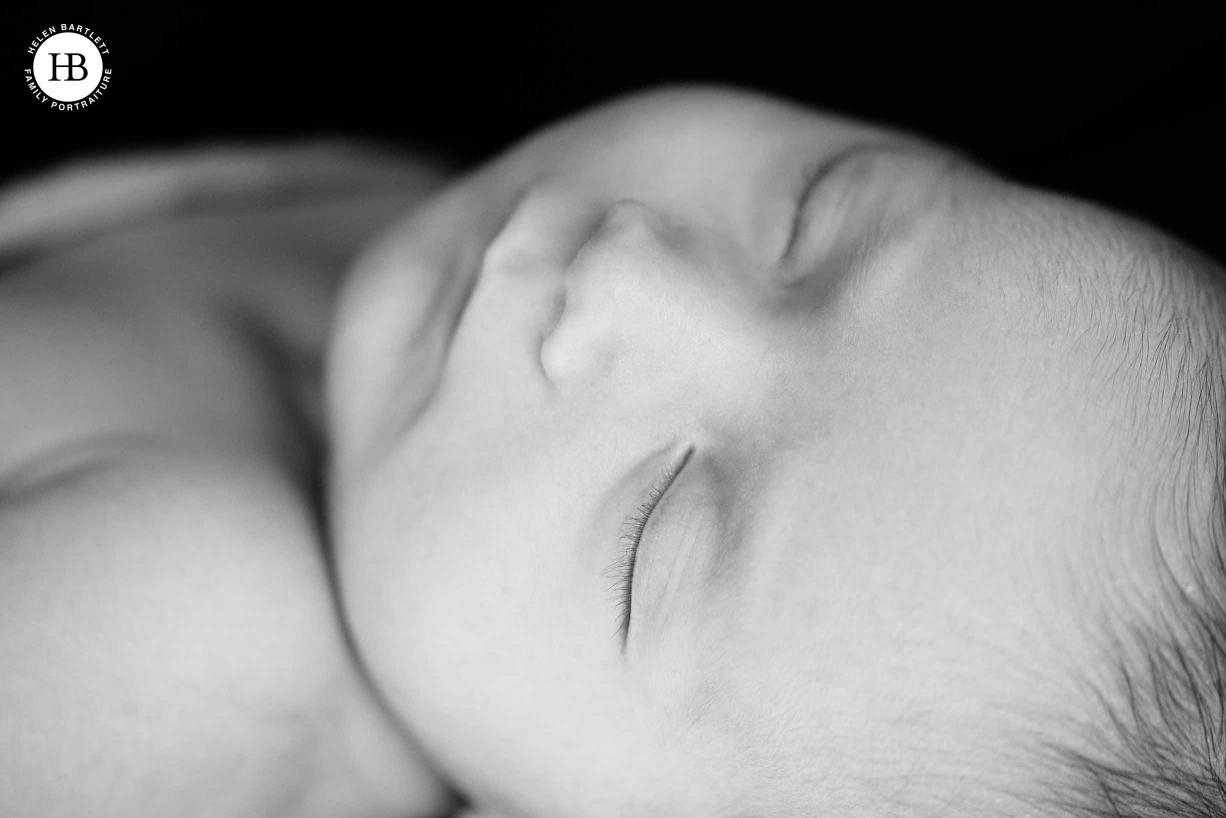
(622, 571)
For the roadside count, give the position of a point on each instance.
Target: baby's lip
(545, 229)
(533, 250)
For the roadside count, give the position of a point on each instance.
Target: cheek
(455, 594)
(494, 644)
(420, 591)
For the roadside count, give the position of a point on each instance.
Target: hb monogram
(70, 66)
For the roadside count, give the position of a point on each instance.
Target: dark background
(1126, 108)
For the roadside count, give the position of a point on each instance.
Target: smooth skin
(169, 642)
(908, 475)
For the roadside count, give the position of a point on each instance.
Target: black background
(1126, 108)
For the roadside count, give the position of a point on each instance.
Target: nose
(621, 294)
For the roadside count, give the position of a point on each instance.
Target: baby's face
(742, 479)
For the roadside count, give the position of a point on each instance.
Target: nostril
(557, 358)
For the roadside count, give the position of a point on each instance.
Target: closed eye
(622, 571)
(818, 174)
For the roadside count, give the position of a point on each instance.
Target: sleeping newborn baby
(709, 456)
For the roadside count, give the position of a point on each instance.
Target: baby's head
(750, 461)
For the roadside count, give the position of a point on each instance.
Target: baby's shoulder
(166, 631)
(168, 636)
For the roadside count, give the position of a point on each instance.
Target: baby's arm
(168, 643)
